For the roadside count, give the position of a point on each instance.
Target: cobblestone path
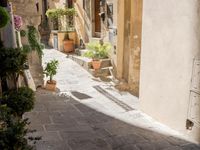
(66, 124)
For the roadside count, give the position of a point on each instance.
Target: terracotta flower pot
(96, 64)
(51, 85)
(68, 46)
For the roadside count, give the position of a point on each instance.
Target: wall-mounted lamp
(189, 124)
(102, 15)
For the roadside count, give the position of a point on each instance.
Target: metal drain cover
(80, 95)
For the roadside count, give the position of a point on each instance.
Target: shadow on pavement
(66, 124)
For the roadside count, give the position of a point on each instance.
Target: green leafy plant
(12, 64)
(34, 40)
(20, 101)
(97, 50)
(22, 33)
(51, 69)
(4, 17)
(26, 49)
(13, 131)
(58, 12)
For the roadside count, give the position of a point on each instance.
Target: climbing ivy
(22, 33)
(34, 40)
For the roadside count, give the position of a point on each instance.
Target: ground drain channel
(112, 98)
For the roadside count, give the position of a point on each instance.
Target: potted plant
(53, 14)
(50, 71)
(12, 62)
(20, 101)
(68, 44)
(97, 51)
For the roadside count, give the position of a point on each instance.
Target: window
(109, 15)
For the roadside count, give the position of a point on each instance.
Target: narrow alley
(78, 117)
(99, 75)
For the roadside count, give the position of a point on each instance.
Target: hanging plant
(34, 40)
(4, 17)
(56, 13)
(18, 22)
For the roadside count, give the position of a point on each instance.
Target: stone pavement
(86, 114)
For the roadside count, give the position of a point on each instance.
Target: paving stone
(129, 147)
(86, 144)
(38, 117)
(59, 127)
(84, 109)
(145, 146)
(161, 144)
(46, 145)
(120, 141)
(191, 147)
(78, 135)
(176, 141)
(173, 148)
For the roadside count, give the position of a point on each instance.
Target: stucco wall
(170, 42)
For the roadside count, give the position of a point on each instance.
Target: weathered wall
(28, 11)
(129, 44)
(170, 42)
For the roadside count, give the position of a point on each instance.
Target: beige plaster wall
(129, 44)
(170, 42)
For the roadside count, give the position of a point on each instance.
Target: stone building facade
(97, 20)
(30, 11)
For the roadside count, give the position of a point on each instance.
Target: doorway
(97, 19)
(44, 17)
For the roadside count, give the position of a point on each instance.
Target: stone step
(94, 39)
(86, 63)
(82, 52)
(82, 61)
(100, 72)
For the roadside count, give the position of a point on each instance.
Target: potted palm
(97, 51)
(50, 71)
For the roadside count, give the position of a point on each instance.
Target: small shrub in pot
(50, 71)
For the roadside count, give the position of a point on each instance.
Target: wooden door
(97, 16)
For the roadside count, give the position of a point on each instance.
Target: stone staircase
(105, 70)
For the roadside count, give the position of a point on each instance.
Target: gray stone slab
(47, 145)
